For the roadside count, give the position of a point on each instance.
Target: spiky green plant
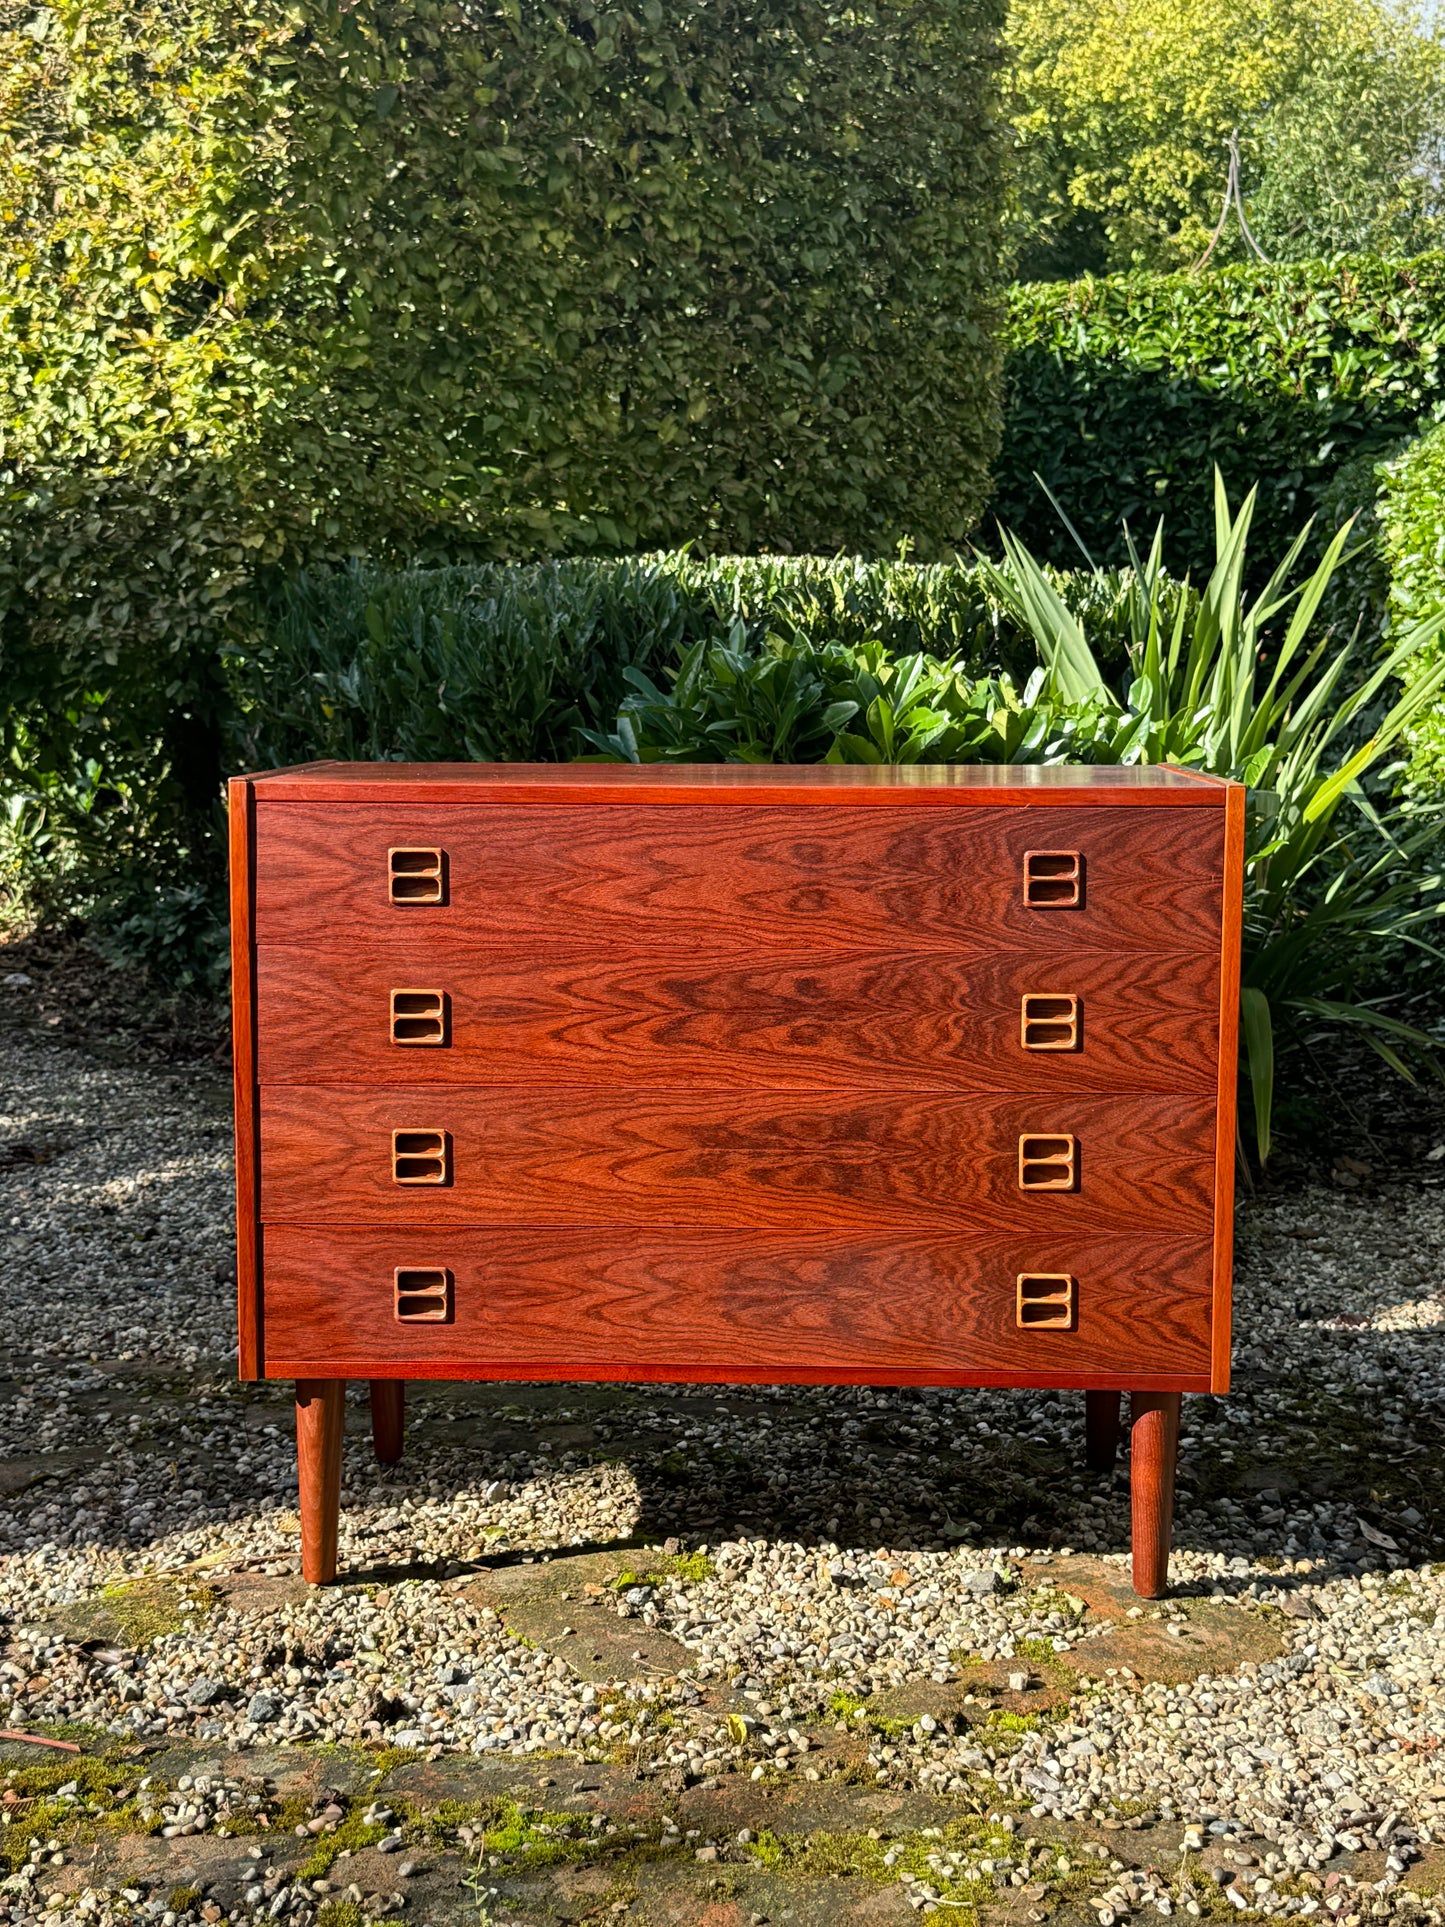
(1218, 688)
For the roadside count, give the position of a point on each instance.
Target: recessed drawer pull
(420, 1017)
(1047, 1300)
(1050, 1023)
(1048, 1163)
(423, 1296)
(1053, 879)
(421, 1157)
(417, 876)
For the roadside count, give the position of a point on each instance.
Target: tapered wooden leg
(320, 1412)
(388, 1418)
(1101, 1430)
(1154, 1445)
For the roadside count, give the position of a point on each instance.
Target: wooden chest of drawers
(917, 1076)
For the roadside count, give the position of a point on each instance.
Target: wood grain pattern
(693, 1305)
(653, 1157)
(320, 1421)
(775, 879)
(704, 784)
(1153, 1452)
(241, 837)
(1228, 1097)
(535, 1015)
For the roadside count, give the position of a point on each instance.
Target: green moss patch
(531, 1838)
(691, 1568)
(351, 1832)
(147, 1609)
(1000, 1721)
(103, 1798)
(947, 1859)
(863, 1718)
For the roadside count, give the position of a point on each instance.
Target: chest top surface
(700, 783)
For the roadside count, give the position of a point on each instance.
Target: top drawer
(1048, 877)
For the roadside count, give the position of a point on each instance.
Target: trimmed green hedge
(1123, 393)
(489, 660)
(407, 280)
(501, 662)
(1410, 511)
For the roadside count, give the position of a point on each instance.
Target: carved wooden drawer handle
(1047, 1300)
(1050, 1023)
(1053, 879)
(1048, 1163)
(416, 876)
(421, 1157)
(420, 1016)
(423, 1295)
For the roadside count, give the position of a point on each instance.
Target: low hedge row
(490, 661)
(498, 662)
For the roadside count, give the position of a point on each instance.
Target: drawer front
(504, 1013)
(698, 1305)
(439, 1154)
(776, 879)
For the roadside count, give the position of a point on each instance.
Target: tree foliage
(1122, 113)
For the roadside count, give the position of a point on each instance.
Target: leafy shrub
(1412, 517)
(1124, 393)
(799, 701)
(1322, 897)
(1411, 513)
(502, 662)
(489, 664)
(280, 287)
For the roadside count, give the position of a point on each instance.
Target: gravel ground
(796, 1577)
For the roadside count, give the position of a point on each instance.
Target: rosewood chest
(910, 1076)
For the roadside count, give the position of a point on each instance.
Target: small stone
(407, 1869)
(980, 1583)
(261, 1709)
(1018, 1682)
